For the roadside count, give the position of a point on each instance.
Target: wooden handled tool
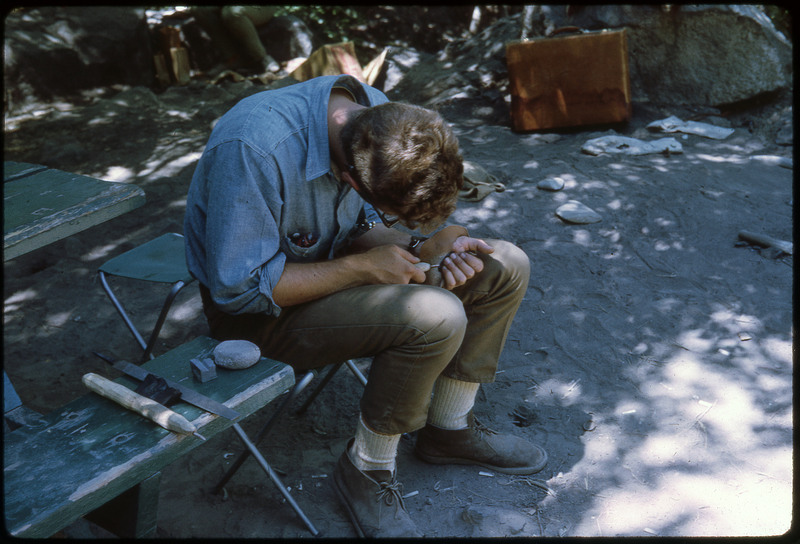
(766, 241)
(422, 265)
(158, 413)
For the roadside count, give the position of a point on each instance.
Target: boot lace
(482, 429)
(391, 493)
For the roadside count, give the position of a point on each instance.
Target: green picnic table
(42, 205)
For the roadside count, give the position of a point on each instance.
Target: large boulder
(469, 72)
(397, 63)
(694, 54)
(287, 37)
(53, 52)
(686, 55)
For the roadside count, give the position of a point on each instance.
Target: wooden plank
(92, 450)
(11, 399)
(132, 514)
(15, 170)
(330, 59)
(49, 205)
(162, 75)
(180, 65)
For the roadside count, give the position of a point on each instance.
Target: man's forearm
(385, 264)
(304, 282)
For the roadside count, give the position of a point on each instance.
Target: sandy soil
(652, 356)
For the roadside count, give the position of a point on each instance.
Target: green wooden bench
(93, 457)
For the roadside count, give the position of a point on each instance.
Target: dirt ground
(651, 357)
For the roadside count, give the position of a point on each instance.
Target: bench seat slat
(92, 449)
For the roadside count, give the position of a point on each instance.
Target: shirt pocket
(303, 245)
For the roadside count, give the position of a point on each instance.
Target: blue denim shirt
(263, 193)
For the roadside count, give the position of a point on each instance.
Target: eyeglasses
(388, 220)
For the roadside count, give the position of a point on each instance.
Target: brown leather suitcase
(569, 80)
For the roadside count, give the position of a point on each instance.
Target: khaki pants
(413, 332)
(233, 28)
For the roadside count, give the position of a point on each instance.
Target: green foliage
(331, 23)
(781, 18)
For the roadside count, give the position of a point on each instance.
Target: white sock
(373, 451)
(452, 402)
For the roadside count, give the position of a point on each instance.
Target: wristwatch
(413, 245)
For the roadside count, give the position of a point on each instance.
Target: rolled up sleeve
(264, 179)
(243, 257)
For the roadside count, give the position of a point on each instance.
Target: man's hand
(456, 251)
(461, 264)
(303, 282)
(389, 264)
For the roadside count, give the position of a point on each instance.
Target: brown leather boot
(479, 445)
(374, 501)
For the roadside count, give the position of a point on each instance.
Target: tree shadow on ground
(679, 340)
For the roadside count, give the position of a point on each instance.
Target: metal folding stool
(298, 388)
(161, 260)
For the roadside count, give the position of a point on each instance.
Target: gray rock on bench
(236, 354)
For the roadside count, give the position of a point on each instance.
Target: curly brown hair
(405, 158)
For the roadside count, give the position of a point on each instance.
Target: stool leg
(299, 386)
(354, 369)
(320, 386)
(120, 310)
(351, 365)
(274, 477)
(148, 350)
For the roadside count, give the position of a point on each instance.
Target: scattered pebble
(674, 124)
(236, 354)
(494, 522)
(552, 183)
(630, 146)
(775, 160)
(576, 212)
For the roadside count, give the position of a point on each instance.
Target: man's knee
(510, 262)
(435, 314)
